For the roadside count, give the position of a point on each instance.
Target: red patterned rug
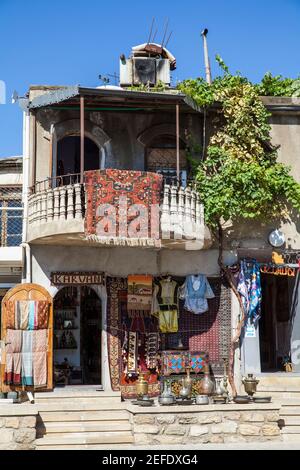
(106, 187)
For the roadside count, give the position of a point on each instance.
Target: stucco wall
(123, 147)
(121, 261)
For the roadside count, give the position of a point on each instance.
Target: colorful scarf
(139, 298)
(32, 314)
(249, 288)
(40, 368)
(42, 313)
(27, 357)
(13, 357)
(21, 306)
(10, 314)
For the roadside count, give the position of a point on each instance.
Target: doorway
(77, 336)
(275, 324)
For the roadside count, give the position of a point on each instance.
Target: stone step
(78, 427)
(104, 415)
(85, 447)
(288, 380)
(288, 402)
(291, 430)
(76, 393)
(291, 420)
(88, 405)
(122, 437)
(80, 401)
(279, 394)
(291, 438)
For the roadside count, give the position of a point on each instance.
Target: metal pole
(177, 144)
(206, 58)
(81, 138)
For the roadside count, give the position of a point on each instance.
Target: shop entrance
(276, 323)
(77, 337)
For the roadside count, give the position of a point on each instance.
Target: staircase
(80, 418)
(285, 389)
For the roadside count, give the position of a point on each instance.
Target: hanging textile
(139, 297)
(167, 297)
(196, 290)
(136, 188)
(152, 347)
(13, 357)
(10, 315)
(22, 314)
(39, 348)
(42, 314)
(27, 358)
(249, 288)
(132, 353)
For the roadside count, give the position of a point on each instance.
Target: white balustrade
(182, 214)
(181, 217)
(57, 204)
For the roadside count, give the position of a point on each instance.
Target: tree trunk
(229, 277)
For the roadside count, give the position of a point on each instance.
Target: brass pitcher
(141, 385)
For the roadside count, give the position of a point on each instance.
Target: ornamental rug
(210, 331)
(105, 187)
(119, 324)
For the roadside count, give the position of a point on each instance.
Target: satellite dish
(14, 97)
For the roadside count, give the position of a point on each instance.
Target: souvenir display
(167, 299)
(139, 297)
(195, 291)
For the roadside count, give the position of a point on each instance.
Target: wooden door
(28, 292)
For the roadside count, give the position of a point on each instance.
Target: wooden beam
(81, 138)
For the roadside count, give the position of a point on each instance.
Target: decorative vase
(207, 383)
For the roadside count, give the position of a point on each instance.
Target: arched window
(161, 158)
(68, 155)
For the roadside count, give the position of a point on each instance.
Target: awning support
(177, 145)
(81, 138)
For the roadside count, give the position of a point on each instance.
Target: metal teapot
(250, 383)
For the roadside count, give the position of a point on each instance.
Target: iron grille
(11, 216)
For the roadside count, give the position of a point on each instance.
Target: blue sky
(72, 42)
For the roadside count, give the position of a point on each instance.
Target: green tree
(240, 177)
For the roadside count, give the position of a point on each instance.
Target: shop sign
(278, 270)
(250, 331)
(76, 278)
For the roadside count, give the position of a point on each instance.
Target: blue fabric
(196, 291)
(249, 288)
(31, 315)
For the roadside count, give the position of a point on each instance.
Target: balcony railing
(63, 199)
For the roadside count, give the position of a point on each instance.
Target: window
(11, 216)
(68, 155)
(161, 158)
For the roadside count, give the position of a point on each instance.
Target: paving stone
(196, 430)
(12, 422)
(228, 427)
(174, 429)
(144, 419)
(270, 430)
(166, 419)
(249, 430)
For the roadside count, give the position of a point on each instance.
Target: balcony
(59, 212)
